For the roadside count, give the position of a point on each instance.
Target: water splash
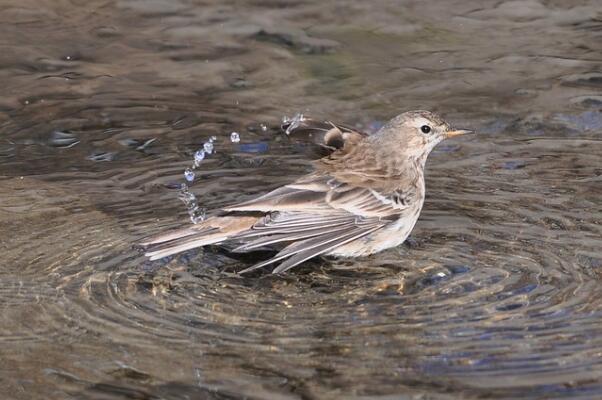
(199, 156)
(187, 197)
(293, 123)
(197, 213)
(208, 147)
(189, 174)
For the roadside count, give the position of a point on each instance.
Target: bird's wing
(325, 241)
(322, 194)
(324, 136)
(317, 213)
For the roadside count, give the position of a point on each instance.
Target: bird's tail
(213, 230)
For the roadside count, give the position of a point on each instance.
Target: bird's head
(416, 133)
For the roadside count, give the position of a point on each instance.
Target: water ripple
(495, 295)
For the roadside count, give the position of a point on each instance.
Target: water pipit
(364, 196)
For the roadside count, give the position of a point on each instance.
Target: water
(104, 103)
(189, 174)
(293, 122)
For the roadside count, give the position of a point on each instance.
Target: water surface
(497, 295)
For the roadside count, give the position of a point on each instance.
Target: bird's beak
(457, 132)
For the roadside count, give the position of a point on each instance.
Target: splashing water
(187, 197)
(293, 122)
(189, 174)
(513, 235)
(197, 214)
(199, 156)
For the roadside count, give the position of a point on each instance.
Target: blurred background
(103, 103)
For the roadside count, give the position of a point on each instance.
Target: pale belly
(392, 235)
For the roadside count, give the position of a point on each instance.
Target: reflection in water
(104, 104)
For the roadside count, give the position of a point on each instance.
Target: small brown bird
(364, 196)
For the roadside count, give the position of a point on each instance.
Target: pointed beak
(457, 132)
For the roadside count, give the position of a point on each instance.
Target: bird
(364, 195)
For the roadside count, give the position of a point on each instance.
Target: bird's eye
(425, 128)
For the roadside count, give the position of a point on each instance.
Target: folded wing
(315, 215)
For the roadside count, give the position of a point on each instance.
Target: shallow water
(497, 295)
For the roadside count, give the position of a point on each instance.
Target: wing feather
(283, 199)
(316, 214)
(291, 236)
(324, 195)
(308, 248)
(305, 255)
(292, 226)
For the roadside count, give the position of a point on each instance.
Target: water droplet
(208, 147)
(187, 197)
(189, 174)
(234, 137)
(198, 215)
(294, 122)
(199, 156)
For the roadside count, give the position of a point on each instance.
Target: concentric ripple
(496, 295)
(498, 289)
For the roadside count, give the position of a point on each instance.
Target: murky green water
(498, 296)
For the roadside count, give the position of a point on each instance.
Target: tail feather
(183, 245)
(173, 235)
(212, 231)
